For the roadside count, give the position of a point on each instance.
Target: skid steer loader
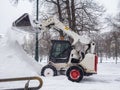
(64, 57)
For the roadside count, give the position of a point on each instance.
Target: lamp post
(37, 43)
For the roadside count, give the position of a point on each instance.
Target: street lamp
(37, 43)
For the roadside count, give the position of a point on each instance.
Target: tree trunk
(68, 12)
(59, 10)
(73, 16)
(116, 49)
(60, 18)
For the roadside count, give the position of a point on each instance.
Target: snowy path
(13, 65)
(108, 78)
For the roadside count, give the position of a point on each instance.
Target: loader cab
(60, 51)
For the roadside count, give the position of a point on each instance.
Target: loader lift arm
(55, 23)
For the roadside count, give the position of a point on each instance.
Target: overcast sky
(110, 5)
(9, 13)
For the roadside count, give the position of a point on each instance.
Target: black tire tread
(80, 70)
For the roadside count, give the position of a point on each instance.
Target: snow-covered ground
(15, 63)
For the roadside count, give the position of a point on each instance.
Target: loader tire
(49, 71)
(75, 74)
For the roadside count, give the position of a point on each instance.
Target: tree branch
(52, 1)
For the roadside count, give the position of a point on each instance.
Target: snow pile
(11, 52)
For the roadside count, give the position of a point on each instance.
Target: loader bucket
(24, 23)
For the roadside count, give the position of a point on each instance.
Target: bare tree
(115, 40)
(81, 15)
(114, 22)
